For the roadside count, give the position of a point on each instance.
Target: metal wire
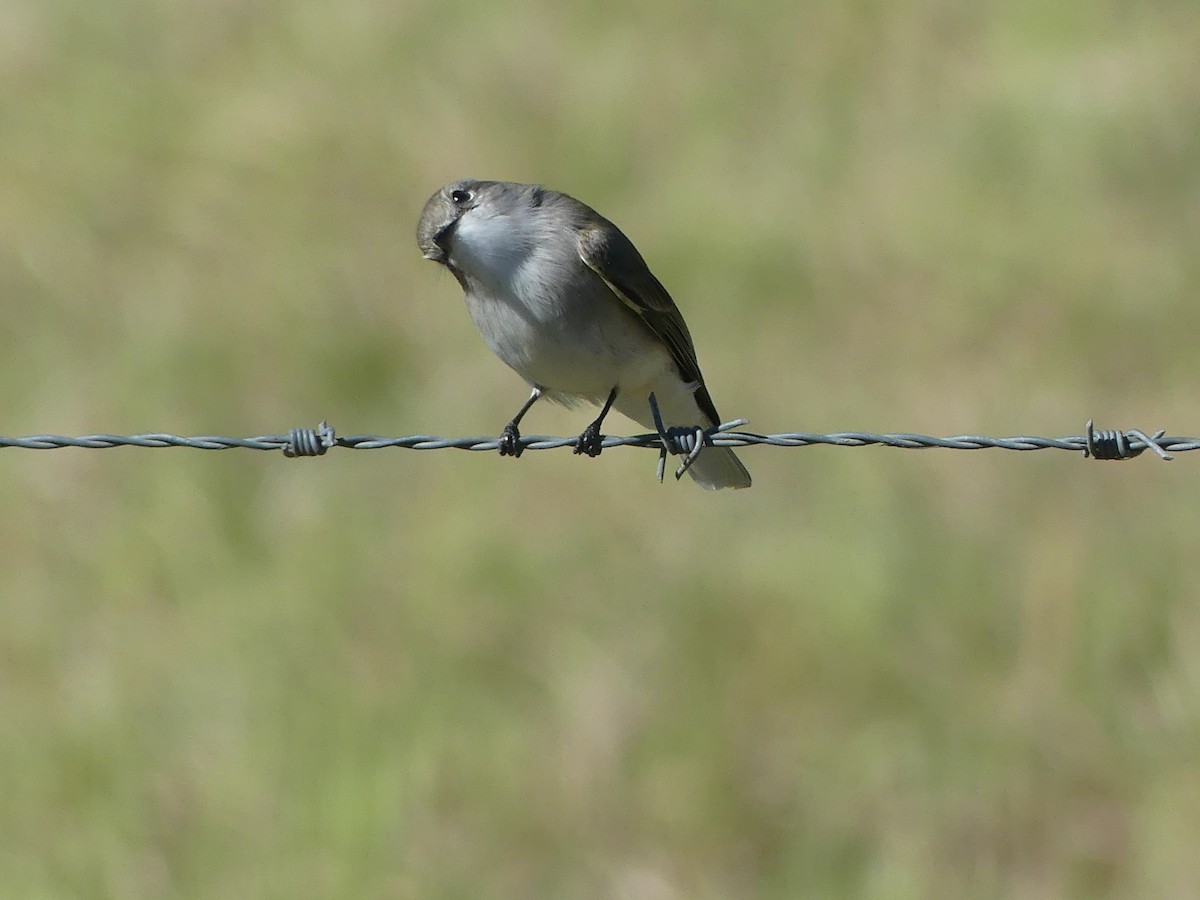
(317, 441)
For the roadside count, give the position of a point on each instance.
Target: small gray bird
(566, 300)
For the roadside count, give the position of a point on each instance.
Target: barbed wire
(689, 442)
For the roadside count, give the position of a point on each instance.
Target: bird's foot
(510, 441)
(590, 441)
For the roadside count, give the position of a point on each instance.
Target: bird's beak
(440, 247)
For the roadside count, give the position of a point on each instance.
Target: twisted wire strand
(316, 441)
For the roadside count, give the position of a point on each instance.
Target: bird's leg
(510, 438)
(589, 441)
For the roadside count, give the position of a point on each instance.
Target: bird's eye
(460, 196)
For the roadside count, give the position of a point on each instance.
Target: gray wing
(612, 256)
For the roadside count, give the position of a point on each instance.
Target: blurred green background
(385, 674)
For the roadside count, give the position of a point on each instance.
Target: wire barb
(679, 440)
(1118, 444)
(310, 441)
(683, 440)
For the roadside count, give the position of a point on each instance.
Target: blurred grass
(876, 674)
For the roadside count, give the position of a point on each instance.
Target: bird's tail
(719, 467)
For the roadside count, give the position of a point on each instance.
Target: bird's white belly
(585, 356)
(548, 316)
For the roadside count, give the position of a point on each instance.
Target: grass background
(877, 674)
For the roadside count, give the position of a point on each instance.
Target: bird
(564, 299)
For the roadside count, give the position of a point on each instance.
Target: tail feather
(719, 467)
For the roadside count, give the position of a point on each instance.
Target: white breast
(547, 315)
